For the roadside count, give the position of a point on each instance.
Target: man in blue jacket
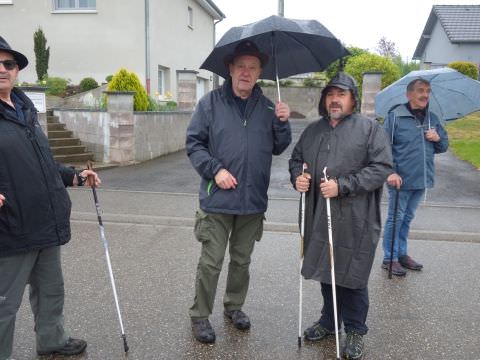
(34, 217)
(416, 135)
(230, 141)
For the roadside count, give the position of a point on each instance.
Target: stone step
(74, 158)
(67, 150)
(52, 120)
(96, 166)
(63, 142)
(55, 126)
(59, 134)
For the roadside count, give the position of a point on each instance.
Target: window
(6, 2)
(190, 17)
(161, 80)
(75, 5)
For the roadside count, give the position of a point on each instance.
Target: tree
(467, 68)
(42, 54)
(125, 80)
(334, 67)
(405, 67)
(387, 48)
(357, 65)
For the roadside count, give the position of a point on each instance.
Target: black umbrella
(293, 47)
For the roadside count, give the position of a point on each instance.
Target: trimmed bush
(466, 68)
(125, 80)
(56, 85)
(108, 78)
(357, 65)
(88, 83)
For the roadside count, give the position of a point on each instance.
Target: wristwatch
(80, 179)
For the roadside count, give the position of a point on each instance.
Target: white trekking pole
(300, 288)
(332, 269)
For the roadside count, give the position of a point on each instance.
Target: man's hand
(432, 135)
(394, 180)
(2, 200)
(282, 111)
(91, 176)
(329, 188)
(225, 180)
(302, 182)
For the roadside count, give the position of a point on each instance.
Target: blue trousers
(352, 308)
(408, 201)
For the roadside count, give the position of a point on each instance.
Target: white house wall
(98, 44)
(439, 51)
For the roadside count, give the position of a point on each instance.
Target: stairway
(65, 148)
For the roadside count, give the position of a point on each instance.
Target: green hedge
(466, 68)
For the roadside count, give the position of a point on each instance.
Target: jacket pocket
(10, 218)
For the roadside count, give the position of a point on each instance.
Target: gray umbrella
(453, 95)
(293, 47)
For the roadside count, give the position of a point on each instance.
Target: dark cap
(21, 59)
(246, 47)
(343, 81)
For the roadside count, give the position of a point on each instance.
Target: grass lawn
(464, 136)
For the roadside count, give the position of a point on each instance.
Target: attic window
(190, 17)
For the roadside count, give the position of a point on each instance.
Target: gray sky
(355, 22)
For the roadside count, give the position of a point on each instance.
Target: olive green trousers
(215, 231)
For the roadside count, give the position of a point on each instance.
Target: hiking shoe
(239, 318)
(407, 262)
(353, 346)
(316, 332)
(71, 347)
(203, 331)
(397, 269)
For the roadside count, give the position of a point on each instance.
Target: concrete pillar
(37, 95)
(371, 85)
(186, 89)
(120, 129)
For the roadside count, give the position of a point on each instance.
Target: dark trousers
(352, 308)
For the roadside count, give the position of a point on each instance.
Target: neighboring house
(452, 33)
(89, 38)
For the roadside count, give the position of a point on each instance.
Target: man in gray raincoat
(358, 158)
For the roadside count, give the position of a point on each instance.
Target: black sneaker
(316, 332)
(72, 347)
(203, 331)
(353, 346)
(239, 319)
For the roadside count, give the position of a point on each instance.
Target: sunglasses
(8, 64)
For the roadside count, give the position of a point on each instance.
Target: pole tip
(125, 346)
(299, 341)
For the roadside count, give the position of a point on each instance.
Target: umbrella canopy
(453, 95)
(293, 47)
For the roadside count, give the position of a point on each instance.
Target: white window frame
(75, 9)
(161, 82)
(6, 2)
(190, 17)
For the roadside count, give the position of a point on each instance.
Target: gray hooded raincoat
(357, 153)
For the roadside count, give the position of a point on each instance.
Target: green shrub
(124, 80)
(311, 82)
(88, 83)
(108, 78)
(56, 85)
(466, 68)
(265, 83)
(360, 64)
(286, 83)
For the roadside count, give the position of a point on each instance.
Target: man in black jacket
(34, 217)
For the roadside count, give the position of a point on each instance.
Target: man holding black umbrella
(355, 152)
(34, 217)
(231, 138)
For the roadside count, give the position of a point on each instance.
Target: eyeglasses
(8, 64)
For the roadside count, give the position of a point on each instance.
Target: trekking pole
(332, 265)
(107, 255)
(300, 287)
(395, 211)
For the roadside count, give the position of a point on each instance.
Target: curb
(78, 216)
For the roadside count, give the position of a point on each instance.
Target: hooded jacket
(220, 137)
(36, 212)
(413, 155)
(357, 154)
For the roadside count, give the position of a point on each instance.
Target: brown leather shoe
(72, 347)
(397, 269)
(407, 262)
